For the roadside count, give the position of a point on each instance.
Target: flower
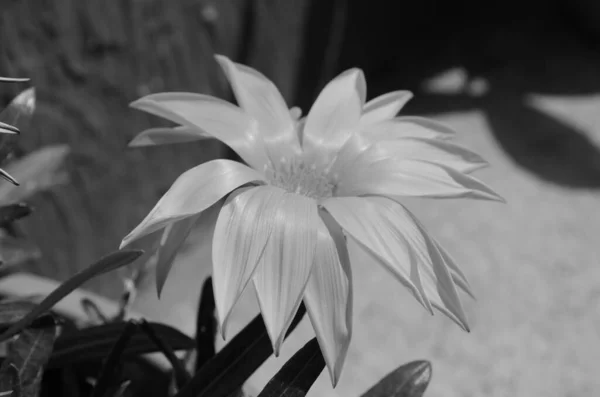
(311, 187)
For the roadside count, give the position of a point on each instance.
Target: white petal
(361, 219)
(194, 191)
(221, 119)
(436, 277)
(370, 175)
(384, 107)
(333, 116)
(284, 268)
(407, 127)
(259, 97)
(167, 135)
(241, 233)
(171, 241)
(434, 151)
(457, 274)
(404, 247)
(328, 295)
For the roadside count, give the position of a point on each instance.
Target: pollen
(295, 176)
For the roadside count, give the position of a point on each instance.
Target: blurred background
(519, 80)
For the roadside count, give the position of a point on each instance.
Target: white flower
(311, 186)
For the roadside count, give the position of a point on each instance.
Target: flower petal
(259, 97)
(419, 257)
(384, 107)
(221, 119)
(457, 275)
(362, 220)
(328, 295)
(284, 268)
(194, 191)
(333, 116)
(8, 129)
(435, 151)
(407, 127)
(372, 175)
(241, 233)
(13, 80)
(171, 241)
(167, 135)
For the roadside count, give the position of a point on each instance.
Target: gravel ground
(533, 262)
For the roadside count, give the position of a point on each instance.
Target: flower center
(297, 177)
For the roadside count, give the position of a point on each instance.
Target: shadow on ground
(502, 53)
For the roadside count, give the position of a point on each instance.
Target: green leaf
(94, 343)
(236, 362)
(29, 353)
(408, 380)
(12, 212)
(206, 325)
(297, 376)
(108, 263)
(13, 311)
(10, 381)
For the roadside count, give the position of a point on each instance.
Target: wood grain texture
(88, 60)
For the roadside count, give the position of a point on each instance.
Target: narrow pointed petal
(8, 129)
(13, 80)
(412, 249)
(362, 220)
(407, 127)
(408, 178)
(221, 119)
(21, 107)
(168, 135)
(384, 107)
(457, 274)
(8, 177)
(328, 295)
(241, 233)
(283, 271)
(333, 116)
(171, 241)
(436, 152)
(436, 277)
(259, 97)
(194, 191)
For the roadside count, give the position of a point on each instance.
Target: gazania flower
(311, 186)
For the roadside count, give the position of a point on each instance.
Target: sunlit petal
(406, 127)
(259, 97)
(193, 192)
(409, 178)
(172, 239)
(457, 274)
(434, 151)
(168, 135)
(333, 116)
(241, 233)
(384, 107)
(328, 295)
(221, 119)
(362, 220)
(284, 268)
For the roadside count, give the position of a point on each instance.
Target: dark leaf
(108, 263)
(181, 375)
(408, 380)
(10, 381)
(111, 365)
(297, 376)
(12, 212)
(94, 343)
(37, 171)
(13, 311)
(206, 325)
(29, 353)
(236, 362)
